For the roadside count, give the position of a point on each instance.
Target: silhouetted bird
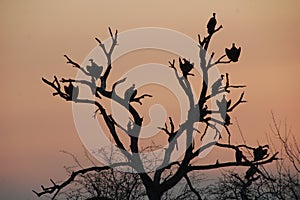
(130, 93)
(216, 86)
(250, 172)
(211, 25)
(260, 152)
(238, 155)
(222, 107)
(71, 91)
(94, 69)
(234, 53)
(186, 67)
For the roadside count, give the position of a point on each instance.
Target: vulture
(233, 54)
(260, 152)
(250, 172)
(223, 107)
(94, 70)
(71, 91)
(216, 86)
(130, 93)
(186, 67)
(211, 25)
(238, 156)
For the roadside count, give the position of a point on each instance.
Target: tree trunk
(154, 194)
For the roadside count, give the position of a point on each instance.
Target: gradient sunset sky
(35, 126)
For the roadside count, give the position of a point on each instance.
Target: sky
(35, 126)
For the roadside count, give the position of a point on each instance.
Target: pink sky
(35, 126)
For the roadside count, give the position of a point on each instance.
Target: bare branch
(231, 164)
(191, 187)
(76, 65)
(138, 99)
(237, 103)
(219, 61)
(56, 188)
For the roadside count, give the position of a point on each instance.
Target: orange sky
(35, 35)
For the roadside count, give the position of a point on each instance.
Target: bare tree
(158, 182)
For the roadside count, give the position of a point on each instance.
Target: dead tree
(155, 183)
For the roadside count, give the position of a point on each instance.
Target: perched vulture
(238, 155)
(186, 67)
(71, 91)
(234, 53)
(260, 152)
(216, 86)
(250, 172)
(223, 107)
(211, 25)
(130, 93)
(94, 69)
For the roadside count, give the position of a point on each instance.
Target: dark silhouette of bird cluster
(259, 153)
(233, 54)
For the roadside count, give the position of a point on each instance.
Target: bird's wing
(228, 53)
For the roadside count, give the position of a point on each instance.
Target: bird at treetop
(233, 54)
(216, 86)
(71, 91)
(211, 25)
(94, 69)
(130, 93)
(186, 67)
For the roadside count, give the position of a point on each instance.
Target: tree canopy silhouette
(158, 182)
